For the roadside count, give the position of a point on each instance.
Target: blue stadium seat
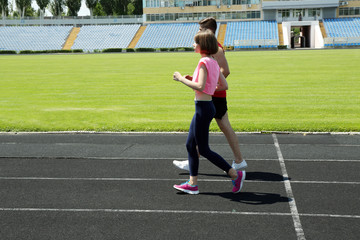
(101, 37)
(169, 35)
(252, 34)
(34, 38)
(343, 28)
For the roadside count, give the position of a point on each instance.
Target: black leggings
(199, 136)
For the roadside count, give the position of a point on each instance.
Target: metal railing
(341, 41)
(256, 43)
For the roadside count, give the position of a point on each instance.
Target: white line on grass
(180, 133)
(294, 212)
(110, 210)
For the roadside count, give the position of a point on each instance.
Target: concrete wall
(329, 13)
(269, 15)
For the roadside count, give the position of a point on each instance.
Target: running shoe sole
(186, 191)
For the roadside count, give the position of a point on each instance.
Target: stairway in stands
(322, 28)
(137, 37)
(281, 35)
(221, 34)
(71, 39)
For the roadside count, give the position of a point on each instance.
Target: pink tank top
(213, 70)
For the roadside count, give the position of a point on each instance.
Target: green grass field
(310, 90)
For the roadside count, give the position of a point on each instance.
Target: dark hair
(207, 42)
(209, 23)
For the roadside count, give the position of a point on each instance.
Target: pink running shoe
(187, 188)
(238, 183)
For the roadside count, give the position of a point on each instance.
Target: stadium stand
(342, 32)
(35, 38)
(98, 37)
(253, 34)
(169, 35)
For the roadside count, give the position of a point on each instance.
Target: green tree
(91, 4)
(120, 7)
(138, 7)
(108, 6)
(4, 8)
(130, 9)
(22, 5)
(30, 12)
(98, 10)
(42, 5)
(57, 7)
(73, 7)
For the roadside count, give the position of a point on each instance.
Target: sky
(84, 11)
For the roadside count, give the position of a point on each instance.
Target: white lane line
(259, 133)
(143, 211)
(326, 182)
(110, 210)
(307, 160)
(329, 215)
(94, 158)
(167, 158)
(294, 212)
(322, 160)
(166, 179)
(105, 179)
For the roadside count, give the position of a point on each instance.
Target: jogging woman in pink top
(220, 102)
(206, 79)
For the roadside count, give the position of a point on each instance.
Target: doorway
(300, 37)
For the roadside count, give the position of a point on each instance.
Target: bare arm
(221, 59)
(200, 85)
(222, 83)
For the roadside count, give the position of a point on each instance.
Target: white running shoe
(184, 165)
(238, 166)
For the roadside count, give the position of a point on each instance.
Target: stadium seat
(344, 31)
(101, 37)
(33, 38)
(253, 34)
(169, 35)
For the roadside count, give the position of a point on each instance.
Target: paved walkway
(119, 186)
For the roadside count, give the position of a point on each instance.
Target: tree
(57, 7)
(120, 7)
(91, 4)
(42, 5)
(98, 10)
(29, 12)
(108, 6)
(138, 7)
(73, 7)
(22, 5)
(130, 9)
(135, 7)
(4, 7)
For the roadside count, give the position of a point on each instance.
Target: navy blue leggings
(199, 136)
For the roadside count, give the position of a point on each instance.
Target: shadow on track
(252, 198)
(254, 176)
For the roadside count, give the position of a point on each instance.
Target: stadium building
(241, 24)
(307, 15)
